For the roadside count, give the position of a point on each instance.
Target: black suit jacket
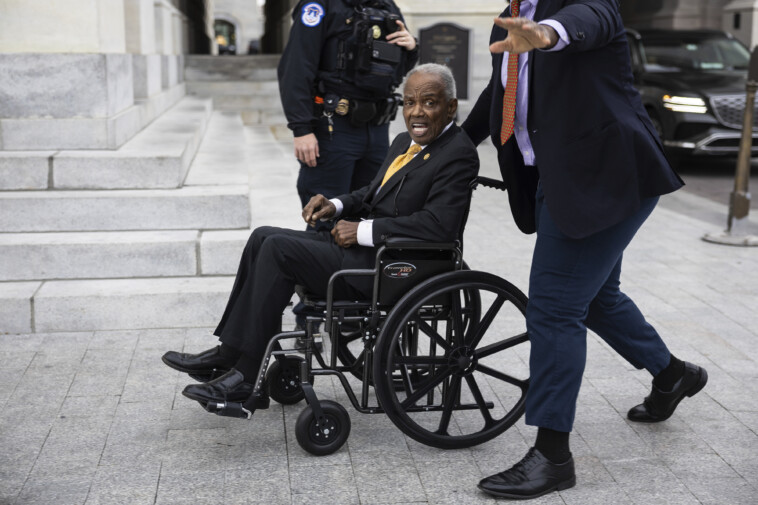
(596, 149)
(427, 199)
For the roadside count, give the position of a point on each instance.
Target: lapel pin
(426, 156)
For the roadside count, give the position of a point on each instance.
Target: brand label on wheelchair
(399, 270)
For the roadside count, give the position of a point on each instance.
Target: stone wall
(88, 74)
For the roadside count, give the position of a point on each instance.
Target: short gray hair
(441, 71)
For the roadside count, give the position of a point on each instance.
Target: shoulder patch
(312, 14)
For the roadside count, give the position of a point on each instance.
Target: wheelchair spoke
(499, 346)
(432, 333)
(500, 375)
(421, 360)
(471, 381)
(447, 408)
(433, 382)
(484, 324)
(457, 316)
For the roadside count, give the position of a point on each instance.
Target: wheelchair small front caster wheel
(323, 436)
(283, 380)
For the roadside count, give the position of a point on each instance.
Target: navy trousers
(574, 285)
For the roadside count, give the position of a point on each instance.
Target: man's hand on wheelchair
(319, 208)
(345, 233)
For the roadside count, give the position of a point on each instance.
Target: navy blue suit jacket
(596, 149)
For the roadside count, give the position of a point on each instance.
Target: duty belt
(360, 112)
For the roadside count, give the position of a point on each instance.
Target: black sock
(554, 445)
(248, 367)
(666, 378)
(229, 353)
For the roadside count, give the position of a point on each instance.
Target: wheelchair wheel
(324, 436)
(351, 352)
(283, 380)
(474, 370)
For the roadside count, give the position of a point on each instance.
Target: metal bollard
(736, 232)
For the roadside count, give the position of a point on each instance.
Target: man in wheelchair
(421, 192)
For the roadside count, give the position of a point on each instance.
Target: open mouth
(419, 129)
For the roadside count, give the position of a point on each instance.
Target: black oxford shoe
(230, 387)
(659, 405)
(533, 476)
(205, 365)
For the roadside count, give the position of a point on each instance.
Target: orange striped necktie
(401, 161)
(509, 98)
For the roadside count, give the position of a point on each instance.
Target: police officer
(337, 78)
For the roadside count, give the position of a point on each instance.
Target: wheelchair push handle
(487, 182)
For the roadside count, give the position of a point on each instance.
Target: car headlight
(684, 104)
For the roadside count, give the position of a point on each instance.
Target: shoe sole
(701, 382)
(197, 374)
(558, 487)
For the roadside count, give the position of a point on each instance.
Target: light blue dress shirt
(526, 10)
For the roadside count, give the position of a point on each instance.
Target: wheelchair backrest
(400, 268)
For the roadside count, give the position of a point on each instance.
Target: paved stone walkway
(96, 418)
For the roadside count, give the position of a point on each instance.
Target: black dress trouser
(273, 262)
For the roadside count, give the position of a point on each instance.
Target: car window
(699, 55)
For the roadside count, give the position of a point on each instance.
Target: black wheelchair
(444, 348)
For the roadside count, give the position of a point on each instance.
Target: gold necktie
(401, 161)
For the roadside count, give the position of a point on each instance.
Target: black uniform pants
(348, 159)
(273, 262)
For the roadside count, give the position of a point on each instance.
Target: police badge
(312, 14)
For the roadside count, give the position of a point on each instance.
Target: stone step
(157, 157)
(220, 251)
(98, 255)
(87, 305)
(268, 89)
(191, 207)
(224, 157)
(21, 170)
(16, 306)
(234, 68)
(250, 102)
(263, 117)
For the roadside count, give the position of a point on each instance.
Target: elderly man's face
(425, 108)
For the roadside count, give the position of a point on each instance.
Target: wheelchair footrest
(237, 409)
(229, 409)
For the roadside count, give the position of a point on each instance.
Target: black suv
(692, 84)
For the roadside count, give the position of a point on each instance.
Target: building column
(140, 41)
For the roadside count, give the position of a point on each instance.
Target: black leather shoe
(205, 365)
(533, 476)
(230, 387)
(659, 405)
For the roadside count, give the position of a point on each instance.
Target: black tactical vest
(359, 54)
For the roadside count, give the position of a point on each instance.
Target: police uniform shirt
(316, 25)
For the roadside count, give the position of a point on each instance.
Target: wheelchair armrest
(411, 243)
(355, 272)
